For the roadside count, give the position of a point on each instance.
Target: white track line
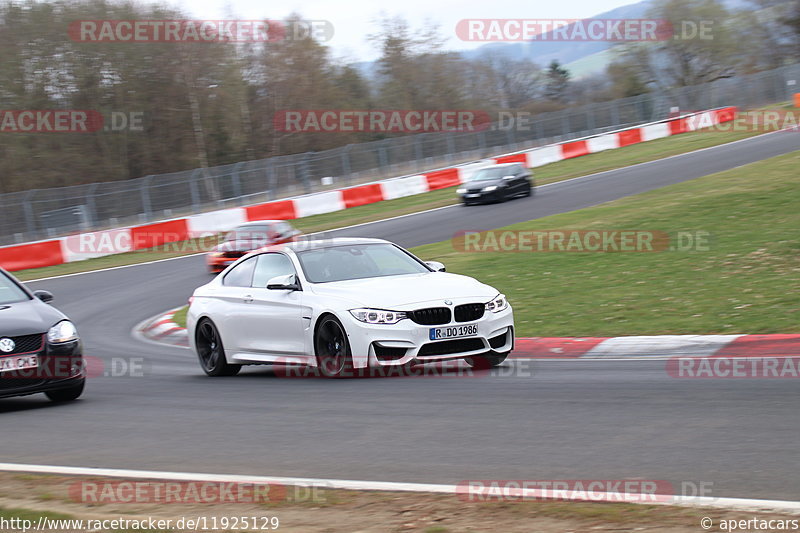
(588, 176)
(348, 484)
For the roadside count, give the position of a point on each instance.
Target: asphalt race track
(528, 420)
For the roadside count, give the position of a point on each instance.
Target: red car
(246, 238)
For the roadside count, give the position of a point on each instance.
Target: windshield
(10, 291)
(249, 233)
(491, 174)
(360, 261)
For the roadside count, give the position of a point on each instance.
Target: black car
(497, 183)
(40, 350)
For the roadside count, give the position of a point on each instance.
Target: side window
(269, 266)
(241, 275)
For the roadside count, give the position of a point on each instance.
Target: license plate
(453, 332)
(8, 364)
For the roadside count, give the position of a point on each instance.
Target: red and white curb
(163, 329)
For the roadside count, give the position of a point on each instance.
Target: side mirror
(436, 266)
(283, 283)
(45, 296)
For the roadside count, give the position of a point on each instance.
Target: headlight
(490, 188)
(377, 316)
(64, 331)
(461, 191)
(216, 254)
(498, 304)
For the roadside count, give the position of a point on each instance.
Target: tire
(487, 360)
(66, 395)
(211, 352)
(528, 191)
(332, 349)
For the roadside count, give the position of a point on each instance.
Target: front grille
(450, 347)
(25, 344)
(473, 191)
(469, 312)
(385, 353)
(498, 342)
(432, 316)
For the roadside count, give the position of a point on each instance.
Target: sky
(354, 20)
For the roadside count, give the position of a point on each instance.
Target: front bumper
(476, 197)
(406, 342)
(61, 366)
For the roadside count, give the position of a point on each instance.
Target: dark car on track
(40, 350)
(246, 238)
(497, 183)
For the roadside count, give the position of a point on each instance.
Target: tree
(557, 82)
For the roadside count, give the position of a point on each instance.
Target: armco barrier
(97, 244)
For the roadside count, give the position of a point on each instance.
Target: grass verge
(745, 281)
(325, 510)
(562, 170)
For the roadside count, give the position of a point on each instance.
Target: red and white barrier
(101, 243)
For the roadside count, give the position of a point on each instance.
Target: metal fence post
(346, 168)
(195, 193)
(144, 190)
(237, 184)
(27, 207)
(92, 204)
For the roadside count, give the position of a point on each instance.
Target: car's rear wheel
(486, 360)
(211, 352)
(67, 394)
(332, 349)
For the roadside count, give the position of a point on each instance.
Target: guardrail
(102, 243)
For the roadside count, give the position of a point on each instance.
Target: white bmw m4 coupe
(344, 304)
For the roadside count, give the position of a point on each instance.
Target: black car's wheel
(487, 360)
(332, 349)
(211, 352)
(66, 395)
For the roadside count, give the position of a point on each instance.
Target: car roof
(258, 223)
(302, 245)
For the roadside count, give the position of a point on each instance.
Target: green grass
(30, 514)
(553, 172)
(748, 282)
(180, 316)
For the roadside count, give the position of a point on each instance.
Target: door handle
(248, 299)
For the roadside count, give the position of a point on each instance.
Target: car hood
(27, 318)
(405, 292)
(239, 246)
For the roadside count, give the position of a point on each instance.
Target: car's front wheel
(211, 352)
(332, 348)
(487, 360)
(66, 395)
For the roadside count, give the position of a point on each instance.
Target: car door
(231, 301)
(270, 324)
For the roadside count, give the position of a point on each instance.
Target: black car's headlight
(64, 331)
(377, 316)
(498, 304)
(461, 191)
(490, 188)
